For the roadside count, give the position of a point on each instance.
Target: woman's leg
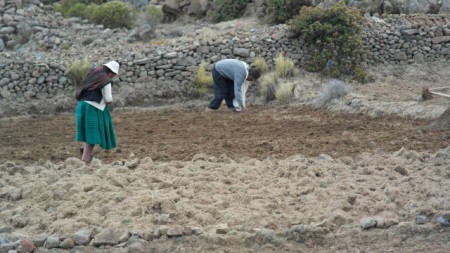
(87, 152)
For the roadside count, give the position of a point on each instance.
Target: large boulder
(423, 6)
(445, 7)
(197, 7)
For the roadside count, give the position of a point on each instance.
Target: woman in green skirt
(93, 118)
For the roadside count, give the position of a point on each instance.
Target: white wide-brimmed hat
(113, 66)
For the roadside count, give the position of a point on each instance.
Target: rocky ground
(363, 173)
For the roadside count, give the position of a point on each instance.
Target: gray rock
(136, 247)
(222, 229)
(39, 240)
(83, 237)
(7, 30)
(7, 230)
(106, 237)
(367, 223)
(175, 231)
(243, 52)
(67, 243)
(52, 242)
(421, 219)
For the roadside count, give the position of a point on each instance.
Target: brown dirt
(262, 132)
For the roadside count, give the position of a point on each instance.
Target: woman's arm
(107, 93)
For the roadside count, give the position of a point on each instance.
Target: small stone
(222, 229)
(26, 246)
(421, 219)
(367, 222)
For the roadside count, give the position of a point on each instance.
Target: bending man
(229, 76)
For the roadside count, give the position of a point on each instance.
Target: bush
(79, 69)
(261, 64)
(77, 10)
(225, 10)
(279, 11)
(113, 14)
(336, 34)
(333, 90)
(284, 66)
(202, 82)
(268, 84)
(285, 92)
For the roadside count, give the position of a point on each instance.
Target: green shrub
(202, 82)
(285, 92)
(284, 66)
(89, 11)
(113, 14)
(225, 10)
(336, 34)
(261, 64)
(279, 11)
(79, 69)
(77, 10)
(268, 84)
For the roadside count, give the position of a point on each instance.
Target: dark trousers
(223, 89)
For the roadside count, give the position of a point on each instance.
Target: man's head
(253, 74)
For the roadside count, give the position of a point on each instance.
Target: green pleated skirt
(94, 126)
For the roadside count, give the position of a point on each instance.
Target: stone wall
(38, 70)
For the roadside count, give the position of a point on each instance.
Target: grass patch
(284, 66)
(202, 82)
(268, 84)
(285, 92)
(261, 64)
(79, 69)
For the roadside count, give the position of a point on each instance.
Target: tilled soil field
(261, 132)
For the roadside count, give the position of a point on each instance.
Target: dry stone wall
(38, 68)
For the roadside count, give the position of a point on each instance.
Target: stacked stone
(39, 69)
(393, 41)
(24, 80)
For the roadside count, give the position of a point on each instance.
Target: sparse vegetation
(261, 63)
(336, 34)
(285, 92)
(284, 66)
(66, 45)
(335, 89)
(79, 69)
(225, 10)
(157, 42)
(113, 14)
(279, 11)
(202, 82)
(268, 84)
